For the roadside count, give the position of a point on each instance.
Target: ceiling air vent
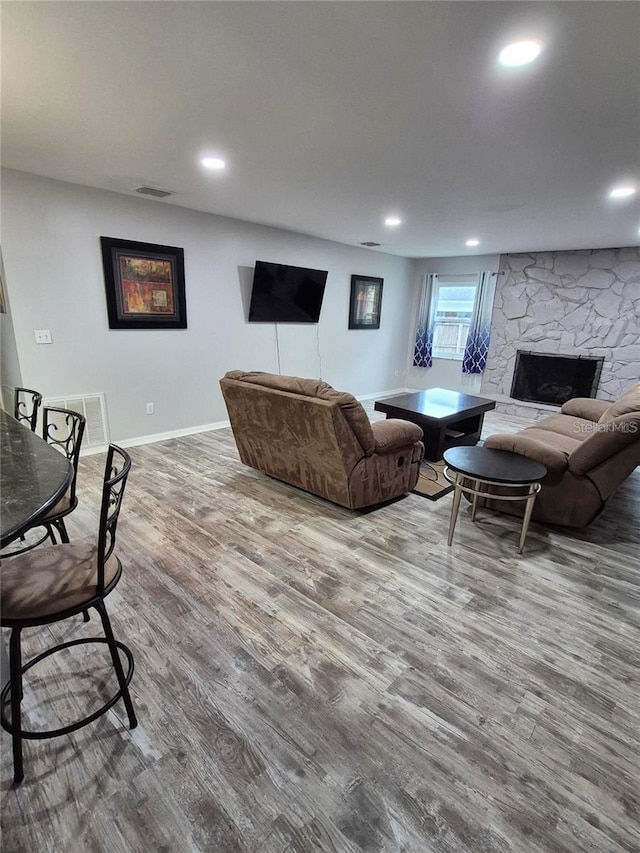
(370, 244)
(154, 191)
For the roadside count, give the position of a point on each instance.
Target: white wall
(445, 372)
(51, 244)
(9, 361)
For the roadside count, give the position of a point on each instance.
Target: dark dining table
(33, 476)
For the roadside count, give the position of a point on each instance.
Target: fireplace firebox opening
(540, 377)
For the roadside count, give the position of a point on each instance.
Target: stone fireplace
(553, 379)
(583, 303)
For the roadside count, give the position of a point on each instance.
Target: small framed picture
(144, 285)
(366, 302)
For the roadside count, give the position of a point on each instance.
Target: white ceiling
(333, 115)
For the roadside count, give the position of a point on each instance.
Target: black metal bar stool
(62, 429)
(56, 582)
(25, 406)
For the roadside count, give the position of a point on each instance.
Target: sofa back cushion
(351, 409)
(626, 404)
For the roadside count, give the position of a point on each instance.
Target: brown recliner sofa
(588, 449)
(306, 433)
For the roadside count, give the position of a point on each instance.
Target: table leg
(527, 517)
(433, 440)
(454, 508)
(480, 425)
(4, 662)
(474, 505)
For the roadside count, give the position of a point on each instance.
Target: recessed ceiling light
(622, 192)
(213, 163)
(472, 242)
(519, 53)
(392, 220)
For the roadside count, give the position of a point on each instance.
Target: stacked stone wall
(584, 302)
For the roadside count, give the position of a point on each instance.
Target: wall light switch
(43, 336)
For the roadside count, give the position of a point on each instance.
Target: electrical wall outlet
(43, 336)
(149, 408)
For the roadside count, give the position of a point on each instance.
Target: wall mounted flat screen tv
(284, 294)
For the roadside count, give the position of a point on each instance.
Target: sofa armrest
(393, 433)
(585, 407)
(555, 461)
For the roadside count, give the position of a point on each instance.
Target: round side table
(489, 467)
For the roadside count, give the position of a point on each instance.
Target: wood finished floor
(314, 679)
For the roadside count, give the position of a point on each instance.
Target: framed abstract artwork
(366, 302)
(144, 285)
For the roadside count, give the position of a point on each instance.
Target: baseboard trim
(138, 441)
(392, 392)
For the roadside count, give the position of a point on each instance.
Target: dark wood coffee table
(487, 467)
(447, 418)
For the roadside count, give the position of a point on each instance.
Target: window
(452, 304)
(454, 319)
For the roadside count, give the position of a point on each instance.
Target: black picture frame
(144, 285)
(366, 302)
